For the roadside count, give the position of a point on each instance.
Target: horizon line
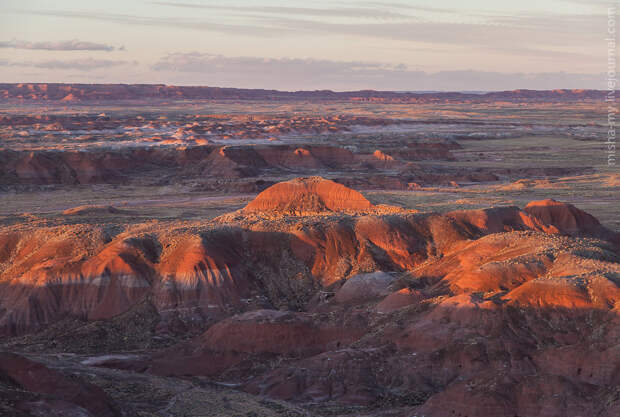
(368, 90)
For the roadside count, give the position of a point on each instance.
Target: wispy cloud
(396, 5)
(86, 64)
(286, 73)
(199, 62)
(181, 23)
(428, 38)
(71, 45)
(494, 32)
(505, 32)
(351, 12)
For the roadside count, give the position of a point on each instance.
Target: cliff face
(86, 92)
(115, 166)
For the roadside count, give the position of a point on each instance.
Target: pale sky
(307, 45)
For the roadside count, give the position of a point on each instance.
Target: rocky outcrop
(362, 287)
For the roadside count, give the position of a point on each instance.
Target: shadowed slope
(34, 389)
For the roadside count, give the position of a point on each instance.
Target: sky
(402, 45)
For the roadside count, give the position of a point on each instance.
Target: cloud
(491, 31)
(182, 23)
(502, 31)
(198, 62)
(309, 74)
(71, 45)
(86, 64)
(493, 40)
(397, 5)
(592, 3)
(352, 12)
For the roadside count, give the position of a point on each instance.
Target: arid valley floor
(237, 253)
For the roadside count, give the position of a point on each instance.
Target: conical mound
(311, 195)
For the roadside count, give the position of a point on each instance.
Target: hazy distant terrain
(110, 92)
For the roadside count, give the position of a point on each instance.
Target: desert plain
(193, 252)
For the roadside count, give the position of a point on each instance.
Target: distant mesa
(89, 92)
(310, 195)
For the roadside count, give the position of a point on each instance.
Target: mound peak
(308, 195)
(70, 97)
(566, 217)
(93, 209)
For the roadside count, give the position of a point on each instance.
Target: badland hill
(498, 311)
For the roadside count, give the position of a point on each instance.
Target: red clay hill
(568, 218)
(308, 196)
